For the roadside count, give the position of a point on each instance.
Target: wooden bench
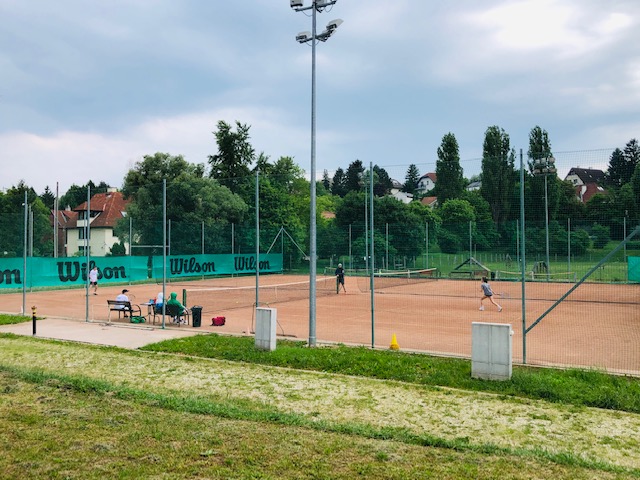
(122, 306)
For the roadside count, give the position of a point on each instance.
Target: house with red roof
(586, 182)
(426, 182)
(105, 209)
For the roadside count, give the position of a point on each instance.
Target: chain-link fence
(564, 269)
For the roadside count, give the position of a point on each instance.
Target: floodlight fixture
(296, 3)
(333, 24)
(303, 37)
(545, 166)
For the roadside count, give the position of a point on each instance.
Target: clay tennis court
(597, 326)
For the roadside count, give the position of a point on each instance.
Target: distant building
(396, 186)
(584, 176)
(67, 220)
(426, 182)
(105, 209)
(586, 181)
(404, 197)
(430, 202)
(474, 186)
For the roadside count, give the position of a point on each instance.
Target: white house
(426, 182)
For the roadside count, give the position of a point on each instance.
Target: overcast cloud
(88, 88)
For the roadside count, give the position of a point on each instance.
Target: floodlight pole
(316, 6)
(545, 166)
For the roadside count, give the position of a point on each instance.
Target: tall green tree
(622, 164)
(326, 181)
(230, 166)
(498, 174)
(382, 181)
(539, 145)
(451, 182)
(411, 180)
(616, 170)
(539, 148)
(635, 188)
(338, 186)
(192, 199)
(353, 177)
(453, 236)
(12, 222)
(77, 194)
(48, 198)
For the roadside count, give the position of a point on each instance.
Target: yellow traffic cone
(394, 343)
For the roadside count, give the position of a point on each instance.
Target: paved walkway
(117, 335)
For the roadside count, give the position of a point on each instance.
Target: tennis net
(216, 299)
(570, 277)
(383, 280)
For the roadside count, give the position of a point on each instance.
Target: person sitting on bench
(122, 297)
(179, 308)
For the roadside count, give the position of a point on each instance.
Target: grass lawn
(212, 406)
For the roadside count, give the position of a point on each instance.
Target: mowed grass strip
(366, 408)
(56, 428)
(577, 387)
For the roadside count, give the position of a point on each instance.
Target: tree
(454, 233)
(635, 187)
(498, 174)
(287, 174)
(539, 146)
(12, 222)
(353, 177)
(338, 186)
(78, 194)
(326, 181)
(382, 182)
(411, 180)
(448, 170)
(48, 198)
(615, 172)
(601, 234)
(485, 234)
(191, 200)
(230, 166)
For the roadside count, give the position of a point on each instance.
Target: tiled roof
(587, 175)
(429, 201)
(110, 207)
(431, 175)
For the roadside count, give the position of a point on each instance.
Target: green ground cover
(80, 411)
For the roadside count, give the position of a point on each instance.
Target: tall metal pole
(164, 250)
(55, 224)
(350, 253)
(523, 306)
(312, 206)
(316, 6)
(24, 257)
(427, 244)
(87, 250)
(366, 228)
(546, 223)
(257, 202)
(569, 245)
(371, 285)
(470, 247)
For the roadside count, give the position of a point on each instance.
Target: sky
(88, 88)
